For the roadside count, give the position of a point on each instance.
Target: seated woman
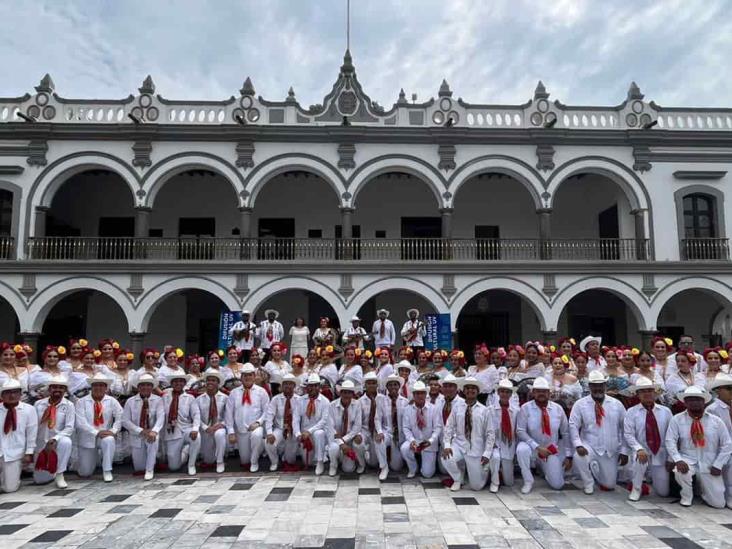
(565, 390)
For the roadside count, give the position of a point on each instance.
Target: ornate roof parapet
(444, 89)
(148, 86)
(247, 88)
(46, 84)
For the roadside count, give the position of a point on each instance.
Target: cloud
(586, 52)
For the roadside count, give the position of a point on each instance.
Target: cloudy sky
(490, 51)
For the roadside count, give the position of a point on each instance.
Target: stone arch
(392, 163)
(9, 294)
(283, 284)
(277, 165)
(531, 295)
(632, 297)
(718, 289)
(44, 300)
(506, 165)
(621, 175)
(157, 294)
(430, 294)
(177, 164)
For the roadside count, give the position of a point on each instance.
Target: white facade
(516, 215)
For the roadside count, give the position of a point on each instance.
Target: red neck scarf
(546, 425)
(653, 435)
(310, 410)
(213, 410)
(246, 397)
(421, 423)
(288, 417)
(404, 390)
(599, 413)
(446, 411)
(11, 418)
(98, 413)
(49, 415)
(697, 432)
(372, 415)
(506, 427)
(345, 421)
(173, 412)
(145, 414)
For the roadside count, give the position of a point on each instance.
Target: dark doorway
(196, 226)
(421, 238)
(114, 235)
(196, 237)
(348, 250)
(487, 242)
(583, 325)
(276, 238)
(609, 232)
(489, 328)
(6, 212)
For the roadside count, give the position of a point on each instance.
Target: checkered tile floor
(294, 510)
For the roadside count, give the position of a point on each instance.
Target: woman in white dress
(716, 364)
(514, 363)
(350, 369)
(109, 349)
(439, 357)
(148, 358)
(365, 359)
(38, 380)
(565, 388)
(647, 370)
(324, 335)
(457, 363)
(72, 360)
(121, 389)
(276, 366)
(532, 366)
(487, 374)
(196, 382)
(171, 366)
(328, 369)
(298, 370)
(299, 337)
(660, 349)
(680, 380)
(233, 358)
(79, 385)
(384, 367)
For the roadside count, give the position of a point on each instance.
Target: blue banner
(439, 334)
(227, 320)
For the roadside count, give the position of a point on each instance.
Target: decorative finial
(247, 88)
(634, 92)
(444, 89)
(347, 66)
(402, 98)
(540, 91)
(148, 86)
(46, 84)
(290, 96)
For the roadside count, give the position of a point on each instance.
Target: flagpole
(348, 24)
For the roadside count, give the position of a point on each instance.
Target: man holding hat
(212, 408)
(144, 418)
(540, 424)
(98, 420)
(311, 423)
(345, 430)
(422, 429)
(414, 331)
(279, 424)
(591, 346)
(243, 335)
(19, 424)
(374, 426)
(722, 408)
(596, 426)
(395, 420)
(56, 422)
(271, 331)
(182, 425)
(245, 410)
(505, 413)
(699, 444)
(468, 439)
(645, 429)
(383, 331)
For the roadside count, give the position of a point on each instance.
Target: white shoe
(149, 475)
(191, 469)
(107, 475)
(333, 470)
(411, 474)
(685, 502)
(526, 488)
(220, 467)
(455, 487)
(361, 468)
(61, 481)
(634, 495)
(589, 488)
(254, 467)
(273, 467)
(493, 488)
(319, 468)
(384, 473)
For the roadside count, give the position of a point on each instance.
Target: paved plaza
(301, 510)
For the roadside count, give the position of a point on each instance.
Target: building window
(6, 212)
(699, 216)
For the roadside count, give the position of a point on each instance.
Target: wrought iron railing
(7, 247)
(693, 249)
(315, 249)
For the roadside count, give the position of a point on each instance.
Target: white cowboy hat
(450, 378)
(419, 386)
(58, 380)
(171, 377)
(289, 377)
(540, 383)
(386, 312)
(596, 376)
(355, 318)
(370, 376)
(395, 377)
(274, 311)
(410, 310)
(213, 372)
(347, 385)
(145, 378)
(588, 339)
(694, 391)
(248, 368)
(99, 377)
(721, 380)
(11, 385)
(405, 364)
(313, 379)
(246, 312)
(642, 383)
(506, 384)
(471, 381)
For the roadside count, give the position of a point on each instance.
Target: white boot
(384, 473)
(526, 488)
(191, 469)
(333, 469)
(274, 465)
(107, 476)
(61, 481)
(589, 488)
(149, 475)
(319, 468)
(254, 466)
(493, 488)
(411, 474)
(455, 486)
(220, 467)
(635, 494)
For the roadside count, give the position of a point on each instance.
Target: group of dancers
(603, 414)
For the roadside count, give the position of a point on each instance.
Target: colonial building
(142, 218)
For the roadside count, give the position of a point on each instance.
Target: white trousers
(318, 452)
(287, 448)
(712, 488)
(174, 450)
(429, 460)
(144, 456)
(374, 451)
(213, 447)
(551, 467)
(251, 445)
(500, 465)
(727, 474)
(595, 468)
(10, 475)
(89, 457)
(63, 454)
(337, 457)
(660, 477)
(459, 463)
(396, 461)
